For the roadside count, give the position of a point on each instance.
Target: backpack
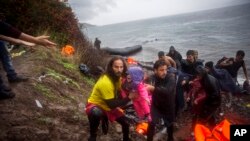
(84, 69)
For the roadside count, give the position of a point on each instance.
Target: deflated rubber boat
(123, 51)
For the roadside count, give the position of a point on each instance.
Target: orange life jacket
(220, 132)
(68, 50)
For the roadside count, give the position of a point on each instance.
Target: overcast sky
(102, 12)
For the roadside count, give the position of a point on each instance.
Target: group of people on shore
(163, 95)
(158, 97)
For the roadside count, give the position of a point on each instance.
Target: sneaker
(18, 79)
(6, 95)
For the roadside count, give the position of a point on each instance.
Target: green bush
(52, 18)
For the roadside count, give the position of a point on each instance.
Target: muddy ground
(62, 94)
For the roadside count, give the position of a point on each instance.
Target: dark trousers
(156, 117)
(6, 61)
(151, 132)
(96, 115)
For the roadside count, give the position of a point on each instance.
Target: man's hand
(27, 43)
(149, 87)
(183, 82)
(43, 40)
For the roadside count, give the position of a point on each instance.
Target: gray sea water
(214, 33)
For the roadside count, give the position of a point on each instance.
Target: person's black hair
(190, 52)
(171, 48)
(200, 70)
(159, 63)
(240, 53)
(209, 64)
(110, 72)
(161, 53)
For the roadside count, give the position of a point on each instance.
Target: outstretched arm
(9, 31)
(40, 40)
(16, 41)
(226, 62)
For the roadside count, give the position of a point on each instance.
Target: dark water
(214, 33)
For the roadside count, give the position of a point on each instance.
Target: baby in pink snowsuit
(134, 83)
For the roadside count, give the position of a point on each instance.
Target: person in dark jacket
(176, 56)
(97, 43)
(104, 100)
(226, 81)
(188, 66)
(163, 99)
(213, 98)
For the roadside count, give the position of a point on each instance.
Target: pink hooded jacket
(141, 103)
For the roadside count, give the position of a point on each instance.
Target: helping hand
(28, 44)
(45, 42)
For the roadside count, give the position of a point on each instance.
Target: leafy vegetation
(53, 18)
(41, 16)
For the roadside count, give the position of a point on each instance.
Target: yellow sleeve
(106, 88)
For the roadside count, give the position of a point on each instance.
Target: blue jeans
(6, 61)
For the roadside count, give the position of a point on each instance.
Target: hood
(136, 73)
